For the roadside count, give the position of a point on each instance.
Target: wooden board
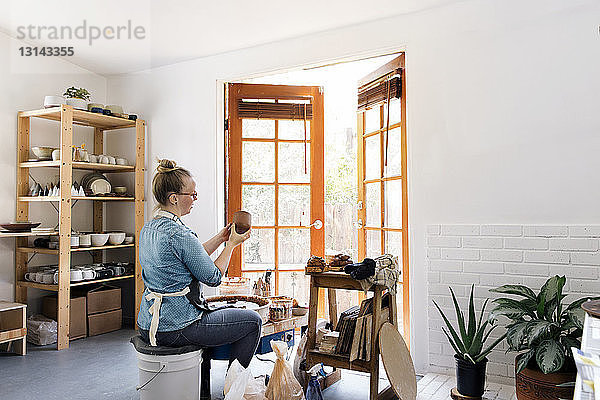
(397, 362)
(7, 305)
(80, 165)
(457, 396)
(81, 117)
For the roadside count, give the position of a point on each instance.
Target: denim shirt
(171, 255)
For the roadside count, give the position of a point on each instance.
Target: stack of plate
(96, 184)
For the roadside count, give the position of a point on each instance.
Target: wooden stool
(457, 396)
(13, 326)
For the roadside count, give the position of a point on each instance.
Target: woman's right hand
(235, 238)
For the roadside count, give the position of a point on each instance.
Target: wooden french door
(382, 178)
(275, 170)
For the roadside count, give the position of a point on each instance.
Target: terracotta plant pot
(532, 384)
(242, 221)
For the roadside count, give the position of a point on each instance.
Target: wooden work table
(339, 280)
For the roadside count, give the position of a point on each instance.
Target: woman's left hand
(223, 234)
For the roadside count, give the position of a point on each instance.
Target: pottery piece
(242, 221)
(116, 238)
(99, 239)
(53, 101)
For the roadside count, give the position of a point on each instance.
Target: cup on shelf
(93, 158)
(121, 161)
(88, 274)
(103, 159)
(85, 240)
(112, 160)
(30, 276)
(39, 276)
(76, 275)
(74, 241)
(116, 238)
(48, 278)
(56, 154)
(119, 270)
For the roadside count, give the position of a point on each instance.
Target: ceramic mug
(76, 275)
(88, 273)
(56, 154)
(112, 160)
(48, 278)
(93, 158)
(30, 276)
(102, 159)
(75, 241)
(121, 161)
(85, 240)
(39, 276)
(119, 270)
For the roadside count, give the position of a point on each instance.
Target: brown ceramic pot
(532, 384)
(242, 221)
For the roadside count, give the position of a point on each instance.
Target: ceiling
(179, 30)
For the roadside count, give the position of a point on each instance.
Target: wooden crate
(13, 326)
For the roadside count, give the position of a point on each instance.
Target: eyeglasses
(193, 194)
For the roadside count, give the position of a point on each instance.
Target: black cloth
(197, 299)
(361, 270)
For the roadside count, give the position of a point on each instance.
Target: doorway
(349, 135)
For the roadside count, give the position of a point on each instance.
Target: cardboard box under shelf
(102, 299)
(105, 322)
(77, 314)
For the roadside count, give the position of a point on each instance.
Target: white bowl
(116, 238)
(43, 152)
(99, 239)
(53, 101)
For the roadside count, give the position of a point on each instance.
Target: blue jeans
(240, 328)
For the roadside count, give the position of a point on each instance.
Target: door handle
(318, 224)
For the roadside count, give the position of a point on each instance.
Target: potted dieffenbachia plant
(542, 330)
(77, 97)
(468, 341)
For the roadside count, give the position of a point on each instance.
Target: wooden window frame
(395, 66)
(234, 182)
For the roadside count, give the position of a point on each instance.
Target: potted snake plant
(468, 340)
(542, 331)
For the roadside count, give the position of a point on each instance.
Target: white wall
(24, 91)
(502, 116)
(488, 256)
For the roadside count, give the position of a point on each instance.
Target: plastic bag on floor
(41, 330)
(283, 385)
(255, 389)
(239, 384)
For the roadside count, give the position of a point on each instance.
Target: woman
(171, 257)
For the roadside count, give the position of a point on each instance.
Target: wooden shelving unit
(67, 117)
(339, 280)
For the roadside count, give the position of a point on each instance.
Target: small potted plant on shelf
(77, 97)
(468, 341)
(542, 330)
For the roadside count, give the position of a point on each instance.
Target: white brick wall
(492, 255)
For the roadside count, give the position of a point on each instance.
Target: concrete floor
(104, 367)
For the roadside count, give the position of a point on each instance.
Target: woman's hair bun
(165, 166)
